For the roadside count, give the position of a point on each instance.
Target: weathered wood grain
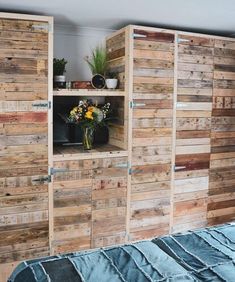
(24, 218)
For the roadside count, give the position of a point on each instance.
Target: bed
(203, 255)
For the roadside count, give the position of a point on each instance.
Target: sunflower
(89, 115)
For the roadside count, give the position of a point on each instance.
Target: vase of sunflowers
(89, 116)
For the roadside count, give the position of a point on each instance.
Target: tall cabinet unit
(181, 130)
(222, 160)
(194, 73)
(25, 88)
(151, 131)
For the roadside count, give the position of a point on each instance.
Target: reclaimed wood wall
(193, 125)
(153, 80)
(89, 203)
(23, 142)
(117, 61)
(116, 52)
(221, 206)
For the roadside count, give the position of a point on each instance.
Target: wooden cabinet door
(222, 164)
(193, 125)
(89, 203)
(153, 86)
(23, 141)
(109, 201)
(72, 187)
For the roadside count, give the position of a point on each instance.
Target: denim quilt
(203, 255)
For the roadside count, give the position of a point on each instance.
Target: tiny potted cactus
(58, 73)
(111, 80)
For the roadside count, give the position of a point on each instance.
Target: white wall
(74, 43)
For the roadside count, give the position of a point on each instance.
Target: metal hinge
(42, 104)
(42, 27)
(131, 170)
(179, 40)
(123, 165)
(137, 35)
(43, 179)
(55, 170)
(179, 167)
(135, 105)
(181, 105)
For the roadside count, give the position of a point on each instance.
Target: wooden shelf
(88, 92)
(73, 152)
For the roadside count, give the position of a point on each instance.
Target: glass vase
(88, 138)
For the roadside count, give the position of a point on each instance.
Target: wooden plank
(161, 55)
(154, 36)
(194, 40)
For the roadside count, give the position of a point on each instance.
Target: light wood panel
(109, 194)
(116, 51)
(153, 79)
(222, 161)
(24, 225)
(89, 203)
(193, 125)
(72, 189)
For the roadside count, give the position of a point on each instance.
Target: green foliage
(59, 66)
(111, 75)
(98, 61)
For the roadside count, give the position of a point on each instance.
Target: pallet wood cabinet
(25, 89)
(181, 141)
(169, 165)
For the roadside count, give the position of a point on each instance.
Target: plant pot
(88, 138)
(59, 81)
(98, 81)
(111, 83)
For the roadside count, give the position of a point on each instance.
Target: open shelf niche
(64, 100)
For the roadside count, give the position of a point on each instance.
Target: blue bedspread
(204, 255)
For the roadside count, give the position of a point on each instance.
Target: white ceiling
(214, 16)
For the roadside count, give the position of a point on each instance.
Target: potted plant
(89, 116)
(98, 66)
(58, 72)
(111, 80)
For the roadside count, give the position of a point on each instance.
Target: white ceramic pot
(59, 78)
(111, 83)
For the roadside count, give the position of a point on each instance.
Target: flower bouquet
(89, 116)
